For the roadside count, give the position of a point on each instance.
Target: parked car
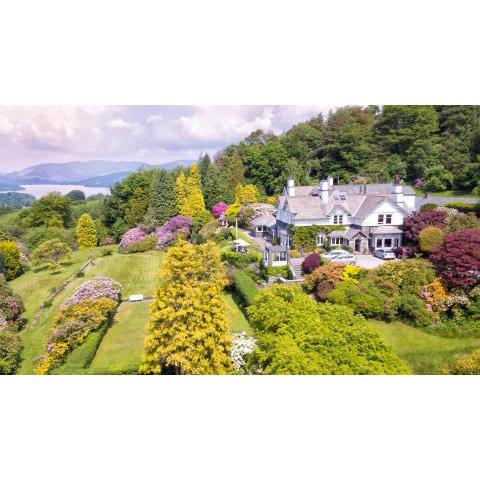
(385, 254)
(343, 257)
(404, 252)
(334, 253)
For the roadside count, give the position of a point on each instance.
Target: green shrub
(10, 350)
(240, 260)
(411, 309)
(47, 304)
(282, 271)
(429, 238)
(428, 206)
(245, 287)
(105, 252)
(149, 243)
(11, 252)
(371, 302)
(35, 236)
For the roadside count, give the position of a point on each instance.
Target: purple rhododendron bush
(91, 307)
(11, 308)
(131, 237)
(99, 287)
(170, 230)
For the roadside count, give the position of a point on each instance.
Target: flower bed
(171, 229)
(88, 309)
(242, 346)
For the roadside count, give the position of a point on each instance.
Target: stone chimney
(324, 191)
(330, 182)
(397, 194)
(291, 187)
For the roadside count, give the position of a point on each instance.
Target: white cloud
(6, 127)
(156, 133)
(119, 123)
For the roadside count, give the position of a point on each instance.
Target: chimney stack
(330, 182)
(324, 191)
(291, 187)
(397, 194)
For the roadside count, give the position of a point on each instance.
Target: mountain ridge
(102, 173)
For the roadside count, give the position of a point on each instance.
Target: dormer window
(385, 219)
(338, 219)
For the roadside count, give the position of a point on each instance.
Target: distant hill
(95, 173)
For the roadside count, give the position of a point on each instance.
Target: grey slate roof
(385, 229)
(266, 220)
(373, 188)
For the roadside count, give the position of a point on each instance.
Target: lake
(40, 190)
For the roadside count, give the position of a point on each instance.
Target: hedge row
(245, 287)
(465, 207)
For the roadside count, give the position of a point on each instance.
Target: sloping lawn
(238, 321)
(425, 353)
(122, 347)
(36, 285)
(137, 273)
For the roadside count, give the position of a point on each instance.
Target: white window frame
(379, 240)
(381, 219)
(385, 244)
(338, 219)
(336, 241)
(388, 219)
(320, 239)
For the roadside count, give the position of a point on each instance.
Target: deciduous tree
(189, 332)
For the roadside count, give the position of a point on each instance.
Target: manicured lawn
(122, 347)
(425, 353)
(238, 321)
(137, 273)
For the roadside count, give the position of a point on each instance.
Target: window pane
(388, 219)
(380, 219)
(379, 242)
(388, 242)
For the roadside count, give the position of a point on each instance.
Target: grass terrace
(425, 353)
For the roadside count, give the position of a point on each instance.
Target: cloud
(157, 134)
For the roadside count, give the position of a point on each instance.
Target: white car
(385, 254)
(334, 253)
(340, 256)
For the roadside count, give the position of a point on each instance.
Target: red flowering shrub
(311, 262)
(426, 218)
(458, 260)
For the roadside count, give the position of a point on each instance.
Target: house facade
(366, 217)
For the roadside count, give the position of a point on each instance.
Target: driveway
(368, 261)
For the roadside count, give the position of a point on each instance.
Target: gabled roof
(266, 220)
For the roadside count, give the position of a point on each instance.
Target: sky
(31, 135)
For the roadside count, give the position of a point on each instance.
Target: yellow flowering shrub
(350, 272)
(73, 324)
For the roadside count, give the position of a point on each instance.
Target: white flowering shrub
(242, 346)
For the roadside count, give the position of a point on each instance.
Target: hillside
(95, 173)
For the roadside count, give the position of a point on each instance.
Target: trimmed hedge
(80, 359)
(245, 287)
(465, 207)
(240, 260)
(149, 243)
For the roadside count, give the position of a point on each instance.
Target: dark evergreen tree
(163, 202)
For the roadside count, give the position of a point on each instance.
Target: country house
(368, 216)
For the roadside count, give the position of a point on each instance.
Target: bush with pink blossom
(219, 209)
(99, 287)
(130, 237)
(170, 230)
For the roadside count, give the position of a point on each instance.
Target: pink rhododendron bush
(11, 308)
(131, 237)
(90, 308)
(171, 229)
(219, 209)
